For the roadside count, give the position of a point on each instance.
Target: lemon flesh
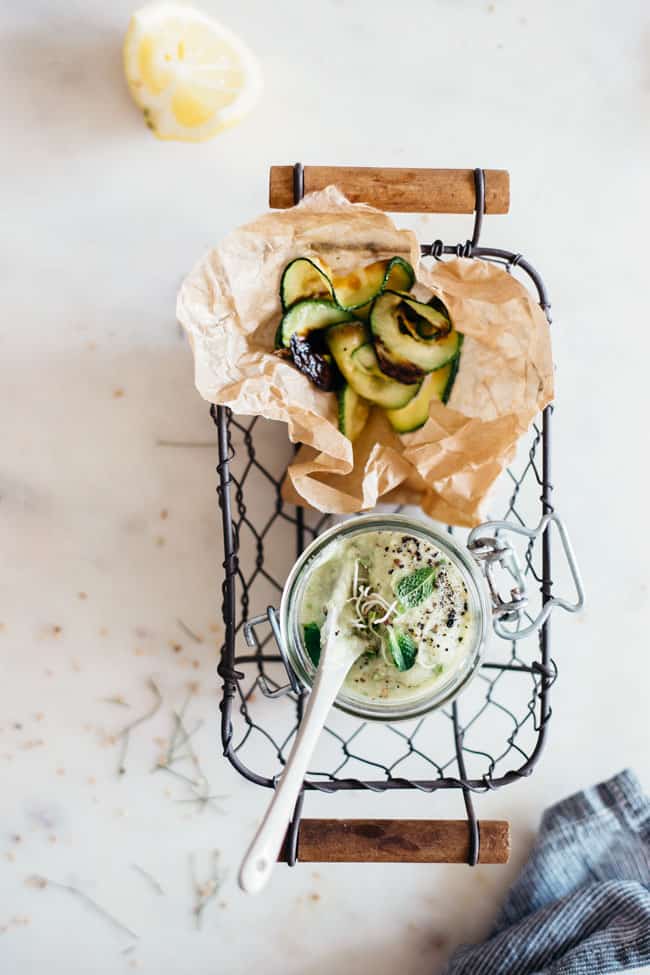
(190, 75)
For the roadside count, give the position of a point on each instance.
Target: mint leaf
(409, 649)
(402, 647)
(413, 589)
(311, 636)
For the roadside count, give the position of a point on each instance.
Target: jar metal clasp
(493, 553)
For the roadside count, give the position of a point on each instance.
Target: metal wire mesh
(490, 737)
(499, 719)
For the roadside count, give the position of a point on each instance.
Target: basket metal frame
(542, 668)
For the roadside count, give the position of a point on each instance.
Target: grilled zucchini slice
(362, 371)
(427, 322)
(353, 412)
(309, 356)
(358, 288)
(454, 364)
(303, 278)
(437, 385)
(309, 315)
(402, 355)
(416, 413)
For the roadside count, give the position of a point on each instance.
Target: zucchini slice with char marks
(358, 288)
(353, 412)
(416, 413)
(309, 315)
(437, 385)
(363, 373)
(427, 322)
(311, 358)
(303, 278)
(402, 355)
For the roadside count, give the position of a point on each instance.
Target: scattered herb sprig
(125, 734)
(151, 880)
(40, 883)
(205, 891)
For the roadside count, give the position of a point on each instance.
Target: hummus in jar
(408, 603)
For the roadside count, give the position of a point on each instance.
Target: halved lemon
(190, 75)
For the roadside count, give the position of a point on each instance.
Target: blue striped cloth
(581, 905)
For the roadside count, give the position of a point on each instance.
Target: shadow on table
(63, 78)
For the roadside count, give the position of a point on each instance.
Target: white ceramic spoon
(336, 658)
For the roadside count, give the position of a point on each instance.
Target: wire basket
(490, 737)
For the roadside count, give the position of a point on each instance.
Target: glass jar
(442, 689)
(478, 563)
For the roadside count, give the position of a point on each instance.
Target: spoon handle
(263, 851)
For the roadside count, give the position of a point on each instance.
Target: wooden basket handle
(398, 841)
(397, 190)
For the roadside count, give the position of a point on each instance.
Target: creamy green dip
(408, 602)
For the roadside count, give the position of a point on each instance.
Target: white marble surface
(100, 221)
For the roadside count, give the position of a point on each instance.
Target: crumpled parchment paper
(230, 307)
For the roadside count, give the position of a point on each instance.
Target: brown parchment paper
(230, 307)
